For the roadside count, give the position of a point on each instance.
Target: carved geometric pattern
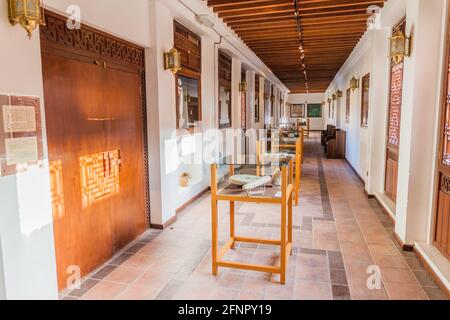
(146, 148)
(395, 103)
(57, 189)
(189, 46)
(99, 176)
(86, 39)
(445, 184)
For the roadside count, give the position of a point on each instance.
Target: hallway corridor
(338, 234)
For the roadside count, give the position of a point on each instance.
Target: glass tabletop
(269, 160)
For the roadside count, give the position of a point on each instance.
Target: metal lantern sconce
(400, 46)
(272, 98)
(334, 97)
(243, 87)
(339, 94)
(28, 13)
(329, 101)
(172, 61)
(354, 84)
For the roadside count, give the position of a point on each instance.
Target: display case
(268, 182)
(279, 147)
(305, 124)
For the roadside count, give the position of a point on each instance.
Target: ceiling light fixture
(301, 48)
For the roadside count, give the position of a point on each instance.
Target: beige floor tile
(105, 291)
(405, 292)
(138, 293)
(305, 290)
(124, 275)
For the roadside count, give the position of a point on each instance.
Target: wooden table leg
(232, 221)
(283, 226)
(290, 220)
(215, 232)
(214, 219)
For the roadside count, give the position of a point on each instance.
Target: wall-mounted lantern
(272, 98)
(400, 46)
(334, 96)
(28, 13)
(354, 84)
(339, 94)
(172, 61)
(243, 87)
(329, 101)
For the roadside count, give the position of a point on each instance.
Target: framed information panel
(20, 133)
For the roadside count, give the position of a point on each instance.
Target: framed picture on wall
(225, 107)
(297, 111)
(314, 111)
(365, 101)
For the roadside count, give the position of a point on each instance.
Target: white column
(250, 99)
(420, 117)
(380, 89)
(236, 68)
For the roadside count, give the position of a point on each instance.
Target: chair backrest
(331, 130)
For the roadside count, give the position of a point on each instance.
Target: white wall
(318, 98)
(2, 277)
(358, 65)
(126, 19)
(26, 228)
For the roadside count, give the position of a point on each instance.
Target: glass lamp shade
(28, 13)
(243, 87)
(172, 61)
(399, 46)
(354, 84)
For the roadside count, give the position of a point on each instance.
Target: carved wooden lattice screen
(396, 96)
(189, 45)
(347, 106)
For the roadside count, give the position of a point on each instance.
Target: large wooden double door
(95, 128)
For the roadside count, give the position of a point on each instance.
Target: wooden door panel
(124, 133)
(72, 96)
(442, 230)
(391, 174)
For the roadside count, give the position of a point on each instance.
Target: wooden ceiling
(330, 29)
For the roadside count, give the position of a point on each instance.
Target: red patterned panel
(347, 106)
(446, 149)
(395, 103)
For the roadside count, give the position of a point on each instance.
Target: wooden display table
(293, 146)
(272, 195)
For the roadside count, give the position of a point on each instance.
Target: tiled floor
(338, 235)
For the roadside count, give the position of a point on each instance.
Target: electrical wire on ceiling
(301, 48)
